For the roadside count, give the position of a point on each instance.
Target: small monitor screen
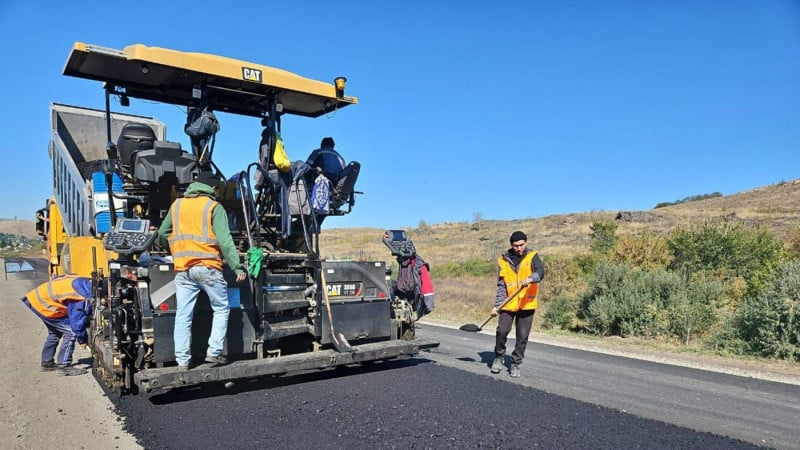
(131, 226)
(398, 235)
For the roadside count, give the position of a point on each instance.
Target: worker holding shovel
(521, 270)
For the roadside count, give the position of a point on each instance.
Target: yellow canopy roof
(230, 85)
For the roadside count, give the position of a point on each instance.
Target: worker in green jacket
(199, 238)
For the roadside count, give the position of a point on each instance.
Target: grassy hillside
(776, 207)
(18, 227)
(468, 298)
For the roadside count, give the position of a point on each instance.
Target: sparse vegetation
(692, 198)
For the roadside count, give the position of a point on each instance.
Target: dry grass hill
(18, 227)
(776, 207)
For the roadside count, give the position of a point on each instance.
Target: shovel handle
(508, 299)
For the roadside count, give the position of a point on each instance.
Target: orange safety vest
(49, 298)
(192, 240)
(526, 299)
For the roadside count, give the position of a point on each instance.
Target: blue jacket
(78, 310)
(329, 160)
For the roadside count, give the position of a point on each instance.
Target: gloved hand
(494, 311)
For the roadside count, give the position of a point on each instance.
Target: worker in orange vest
(64, 305)
(520, 272)
(199, 238)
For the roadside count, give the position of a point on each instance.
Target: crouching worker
(64, 305)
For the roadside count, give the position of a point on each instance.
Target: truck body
(115, 176)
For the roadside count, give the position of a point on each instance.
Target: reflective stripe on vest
(192, 239)
(48, 299)
(525, 300)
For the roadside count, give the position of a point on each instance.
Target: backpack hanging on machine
(321, 195)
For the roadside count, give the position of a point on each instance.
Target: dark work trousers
(57, 330)
(524, 321)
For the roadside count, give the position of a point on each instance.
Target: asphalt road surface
(447, 398)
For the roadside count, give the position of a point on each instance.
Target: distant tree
(603, 236)
(422, 225)
(477, 218)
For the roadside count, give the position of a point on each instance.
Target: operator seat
(133, 138)
(165, 160)
(343, 192)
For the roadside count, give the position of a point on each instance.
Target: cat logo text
(253, 75)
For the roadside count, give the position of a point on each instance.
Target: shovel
(472, 328)
(339, 341)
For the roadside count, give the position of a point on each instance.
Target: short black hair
(518, 236)
(327, 142)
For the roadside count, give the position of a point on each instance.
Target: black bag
(202, 124)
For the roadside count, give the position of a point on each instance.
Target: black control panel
(398, 243)
(129, 236)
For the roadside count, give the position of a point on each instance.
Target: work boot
(514, 371)
(183, 367)
(49, 366)
(69, 371)
(216, 360)
(497, 365)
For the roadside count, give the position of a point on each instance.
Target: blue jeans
(187, 287)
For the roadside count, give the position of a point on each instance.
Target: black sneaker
(69, 371)
(49, 366)
(216, 360)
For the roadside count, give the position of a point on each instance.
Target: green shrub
(602, 236)
(561, 313)
(727, 250)
(769, 324)
(473, 267)
(692, 310)
(627, 301)
(621, 301)
(647, 251)
(563, 274)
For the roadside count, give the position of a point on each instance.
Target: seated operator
(327, 160)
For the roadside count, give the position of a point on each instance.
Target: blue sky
(515, 110)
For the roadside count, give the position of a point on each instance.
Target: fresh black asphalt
(412, 403)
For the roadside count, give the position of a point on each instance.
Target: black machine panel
(129, 236)
(360, 300)
(398, 243)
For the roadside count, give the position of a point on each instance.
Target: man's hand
(530, 280)
(85, 346)
(241, 276)
(494, 311)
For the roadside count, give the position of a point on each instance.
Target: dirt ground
(40, 410)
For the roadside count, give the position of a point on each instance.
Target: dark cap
(518, 236)
(327, 142)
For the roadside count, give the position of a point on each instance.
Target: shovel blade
(341, 344)
(470, 327)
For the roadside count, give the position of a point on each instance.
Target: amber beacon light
(340, 82)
